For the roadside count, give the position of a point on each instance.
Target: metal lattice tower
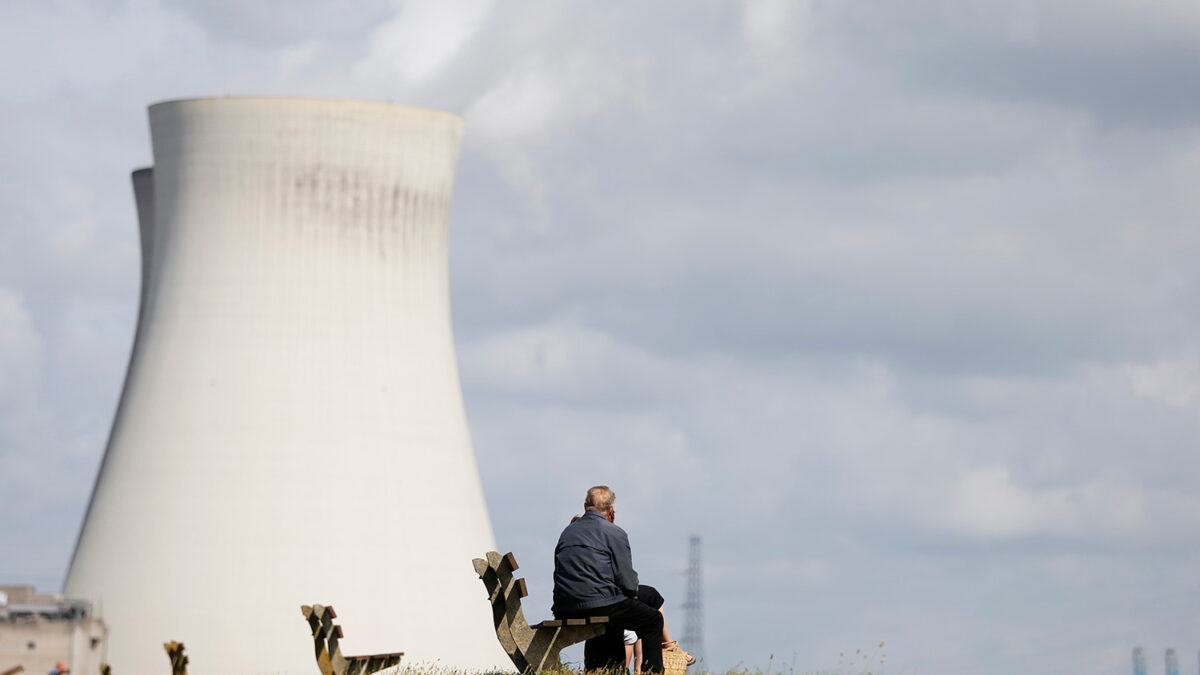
(1172, 662)
(1139, 661)
(693, 607)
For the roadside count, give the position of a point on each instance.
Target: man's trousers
(639, 615)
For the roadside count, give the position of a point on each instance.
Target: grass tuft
(861, 662)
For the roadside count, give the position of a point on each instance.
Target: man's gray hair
(599, 498)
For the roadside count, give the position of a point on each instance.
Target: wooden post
(179, 660)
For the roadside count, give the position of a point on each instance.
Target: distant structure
(693, 606)
(37, 630)
(1139, 661)
(1172, 662)
(291, 429)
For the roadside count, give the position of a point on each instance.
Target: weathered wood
(179, 660)
(556, 623)
(531, 648)
(328, 653)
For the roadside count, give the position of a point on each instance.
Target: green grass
(861, 662)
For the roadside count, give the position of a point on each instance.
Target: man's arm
(622, 561)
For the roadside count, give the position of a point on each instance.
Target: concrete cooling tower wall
(291, 429)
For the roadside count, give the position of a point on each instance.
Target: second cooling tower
(292, 428)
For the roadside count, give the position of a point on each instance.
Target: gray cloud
(1120, 62)
(262, 25)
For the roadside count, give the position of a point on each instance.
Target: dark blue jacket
(593, 566)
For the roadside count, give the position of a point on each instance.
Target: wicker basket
(674, 662)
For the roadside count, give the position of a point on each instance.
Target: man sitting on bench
(594, 576)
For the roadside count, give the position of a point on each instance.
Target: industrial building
(38, 630)
(291, 429)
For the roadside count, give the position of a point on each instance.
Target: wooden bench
(532, 648)
(329, 655)
(179, 660)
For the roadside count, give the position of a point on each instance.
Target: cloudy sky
(895, 304)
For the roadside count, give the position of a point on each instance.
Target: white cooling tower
(291, 429)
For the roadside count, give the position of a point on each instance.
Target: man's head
(600, 499)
